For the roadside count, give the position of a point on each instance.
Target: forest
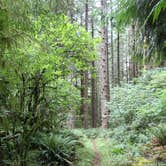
(82, 82)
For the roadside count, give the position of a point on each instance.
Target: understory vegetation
(137, 131)
(39, 53)
(82, 83)
(138, 117)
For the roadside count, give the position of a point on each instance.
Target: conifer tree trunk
(112, 48)
(93, 88)
(133, 49)
(136, 68)
(129, 54)
(126, 59)
(85, 107)
(82, 87)
(107, 54)
(70, 10)
(81, 20)
(71, 115)
(103, 69)
(118, 57)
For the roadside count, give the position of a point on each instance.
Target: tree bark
(93, 88)
(118, 57)
(103, 69)
(112, 49)
(85, 107)
(107, 54)
(70, 10)
(127, 63)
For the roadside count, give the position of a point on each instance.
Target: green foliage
(125, 12)
(42, 56)
(142, 104)
(143, 161)
(160, 133)
(95, 133)
(57, 148)
(135, 109)
(112, 151)
(161, 5)
(149, 17)
(85, 153)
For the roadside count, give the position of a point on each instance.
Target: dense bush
(140, 105)
(42, 56)
(54, 148)
(136, 109)
(57, 148)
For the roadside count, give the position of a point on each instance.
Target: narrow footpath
(97, 159)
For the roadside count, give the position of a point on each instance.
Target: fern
(57, 148)
(160, 133)
(161, 5)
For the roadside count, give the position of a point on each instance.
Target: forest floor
(95, 151)
(100, 150)
(97, 158)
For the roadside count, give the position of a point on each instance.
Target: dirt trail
(97, 159)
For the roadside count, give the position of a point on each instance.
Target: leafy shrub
(139, 106)
(136, 108)
(54, 148)
(58, 148)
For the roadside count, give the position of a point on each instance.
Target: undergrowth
(137, 118)
(137, 109)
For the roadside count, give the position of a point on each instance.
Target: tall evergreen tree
(103, 67)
